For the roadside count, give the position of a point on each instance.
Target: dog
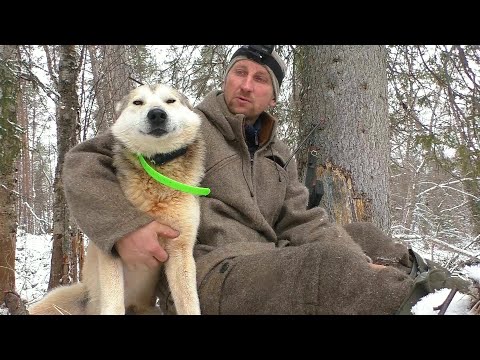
(159, 123)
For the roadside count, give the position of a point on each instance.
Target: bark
(111, 81)
(347, 86)
(25, 218)
(63, 263)
(9, 150)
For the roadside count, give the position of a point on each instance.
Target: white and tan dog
(159, 123)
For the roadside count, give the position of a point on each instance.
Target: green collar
(162, 179)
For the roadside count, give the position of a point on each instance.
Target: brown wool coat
(255, 206)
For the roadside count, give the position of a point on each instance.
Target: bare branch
(35, 215)
(138, 82)
(12, 191)
(446, 186)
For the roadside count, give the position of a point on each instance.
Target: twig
(15, 304)
(138, 82)
(443, 307)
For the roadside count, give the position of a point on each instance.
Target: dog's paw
(113, 310)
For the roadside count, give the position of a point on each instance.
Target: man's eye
(170, 101)
(138, 102)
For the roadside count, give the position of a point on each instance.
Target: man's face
(248, 89)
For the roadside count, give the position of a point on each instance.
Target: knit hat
(271, 61)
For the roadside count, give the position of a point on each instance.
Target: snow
(460, 304)
(32, 266)
(473, 272)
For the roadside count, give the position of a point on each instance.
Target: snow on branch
(13, 191)
(448, 186)
(441, 243)
(35, 215)
(454, 248)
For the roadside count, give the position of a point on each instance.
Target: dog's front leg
(181, 275)
(111, 281)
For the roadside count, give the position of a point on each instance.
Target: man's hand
(374, 266)
(141, 247)
(377, 266)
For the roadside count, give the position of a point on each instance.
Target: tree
(111, 71)
(455, 75)
(9, 150)
(434, 122)
(64, 256)
(347, 86)
(208, 69)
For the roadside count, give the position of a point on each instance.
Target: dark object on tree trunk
(315, 187)
(15, 304)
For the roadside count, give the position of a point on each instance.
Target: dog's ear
(184, 100)
(120, 105)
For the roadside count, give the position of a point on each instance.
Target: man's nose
(247, 83)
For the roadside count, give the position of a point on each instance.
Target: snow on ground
(473, 272)
(32, 266)
(460, 304)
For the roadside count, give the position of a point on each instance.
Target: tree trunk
(63, 264)
(347, 86)
(9, 150)
(25, 205)
(110, 72)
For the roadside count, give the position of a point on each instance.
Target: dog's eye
(170, 101)
(138, 102)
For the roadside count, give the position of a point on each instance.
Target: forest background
(398, 142)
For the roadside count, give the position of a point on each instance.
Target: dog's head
(155, 119)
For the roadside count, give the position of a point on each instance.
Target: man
(260, 250)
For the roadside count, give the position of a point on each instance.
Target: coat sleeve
(94, 196)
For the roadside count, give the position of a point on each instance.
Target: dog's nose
(157, 117)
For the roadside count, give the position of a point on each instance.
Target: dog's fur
(109, 287)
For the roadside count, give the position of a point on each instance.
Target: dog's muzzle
(157, 118)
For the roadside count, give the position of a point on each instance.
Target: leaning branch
(453, 248)
(441, 243)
